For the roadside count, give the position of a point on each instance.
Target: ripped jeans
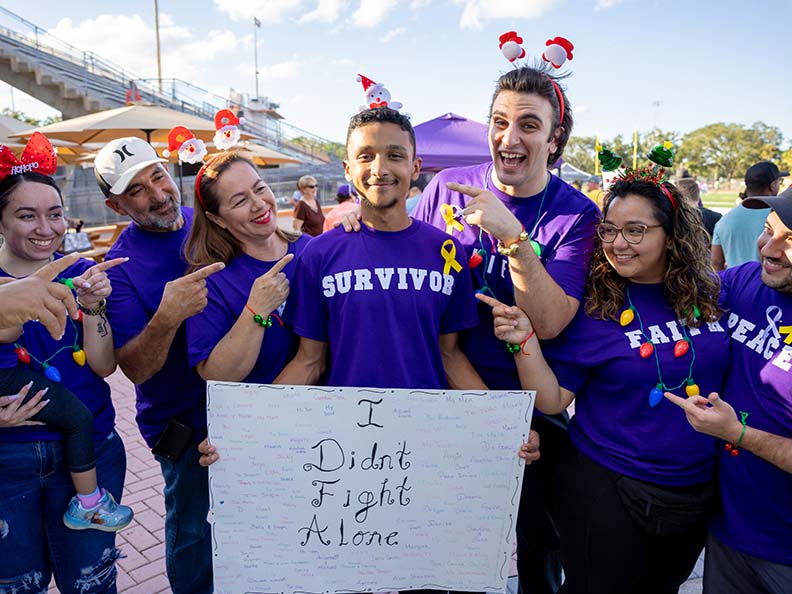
(35, 490)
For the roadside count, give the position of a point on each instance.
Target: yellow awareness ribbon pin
(448, 251)
(447, 211)
(788, 331)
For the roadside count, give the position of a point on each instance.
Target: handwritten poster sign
(332, 490)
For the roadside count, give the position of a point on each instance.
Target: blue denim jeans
(35, 490)
(188, 536)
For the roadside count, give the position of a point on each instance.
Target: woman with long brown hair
(239, 336)
(632, 488)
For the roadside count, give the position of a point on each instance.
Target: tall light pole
(159, 62)
(256, 25)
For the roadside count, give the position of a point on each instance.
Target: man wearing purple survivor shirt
(399, 288)
(151, 300)
(749, 549)
(506, 203)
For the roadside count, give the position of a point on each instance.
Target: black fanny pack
(663, 511)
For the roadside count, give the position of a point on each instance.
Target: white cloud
(370, 13)
(392, 34)
(281, 70)
(267, 11)
(605, 4)
(341, 62)
(130, 42)
(326, 11)
(476, 12)
(418, 4)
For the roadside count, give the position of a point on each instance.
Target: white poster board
(331, 490)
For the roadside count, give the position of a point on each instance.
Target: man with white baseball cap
(151, 300)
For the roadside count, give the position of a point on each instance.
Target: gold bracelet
(99, 310)
(513, 248)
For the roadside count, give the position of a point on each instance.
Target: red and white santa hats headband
(226, 136)
(189, 148)
(227, 129)
(556, 53)
(38, 156)
(376, 95)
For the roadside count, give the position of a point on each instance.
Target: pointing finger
(280, 264)
(108, 264)
(205, 272)
(463, 189)
(491, 301)
(53, 269)
(680, 402)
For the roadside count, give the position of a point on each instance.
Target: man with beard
(151, 300)
(749, 548)
(533, 234)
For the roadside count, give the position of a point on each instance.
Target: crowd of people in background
(682, 432)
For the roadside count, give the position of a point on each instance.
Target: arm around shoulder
(458, 370)
(307, 366)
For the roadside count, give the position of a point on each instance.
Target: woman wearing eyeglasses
(308, 215)
(632, 489)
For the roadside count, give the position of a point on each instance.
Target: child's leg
(65, 414)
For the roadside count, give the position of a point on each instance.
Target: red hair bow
(38, 156)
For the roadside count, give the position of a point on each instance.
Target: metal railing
(177, 94)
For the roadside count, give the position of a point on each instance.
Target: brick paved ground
(143, 569)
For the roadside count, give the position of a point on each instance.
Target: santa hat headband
(556, 53)
(377, 95)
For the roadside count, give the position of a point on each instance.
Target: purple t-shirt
(565, 230)
(599, 361)
(8, 357)
(756, 517)
(381, 300)
(228, 292)
(176, 390)
(91, 389)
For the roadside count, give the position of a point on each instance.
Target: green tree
(716, 150)
(18, 115)
(766, 142)
(579, 152)
(313, 145)
(727, 150)
(786, 159)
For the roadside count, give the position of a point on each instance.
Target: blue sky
(637, 63)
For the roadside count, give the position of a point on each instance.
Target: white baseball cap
(120, 160)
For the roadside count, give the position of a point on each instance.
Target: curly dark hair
(537, 80)
(689, 280)
(381, 115)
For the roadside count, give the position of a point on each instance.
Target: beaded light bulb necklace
(50, 371)
(481, 255)
(647, 349)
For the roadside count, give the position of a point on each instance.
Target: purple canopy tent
(451, 141)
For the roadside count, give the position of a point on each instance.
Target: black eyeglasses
(313, 186)
(633, 233)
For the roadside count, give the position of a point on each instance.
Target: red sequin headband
(38, 156)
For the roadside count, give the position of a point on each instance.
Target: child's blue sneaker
(106, 515)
